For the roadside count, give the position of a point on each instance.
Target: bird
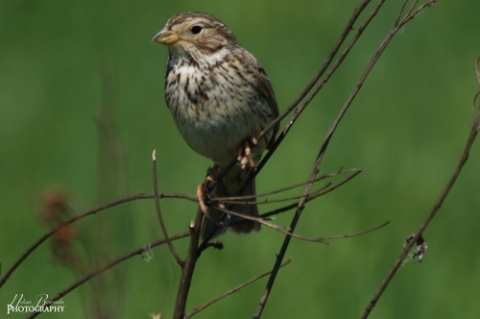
(221, 99)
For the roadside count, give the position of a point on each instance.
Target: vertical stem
(188, 267)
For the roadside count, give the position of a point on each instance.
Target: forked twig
(412, 241)
(316, 166)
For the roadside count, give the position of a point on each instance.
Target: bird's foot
(245, 153)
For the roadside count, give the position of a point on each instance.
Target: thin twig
(400, 12)
(360, 233)
(323, 240)
(269, 225)
(179, 261)
(115, 262)
(408, 246)
(231, 291)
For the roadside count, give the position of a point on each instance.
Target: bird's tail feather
(227, 187)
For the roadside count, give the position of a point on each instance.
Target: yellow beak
(166, 37)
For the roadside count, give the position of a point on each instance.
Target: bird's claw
(245, 153)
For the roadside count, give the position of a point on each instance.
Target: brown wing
(265, 90)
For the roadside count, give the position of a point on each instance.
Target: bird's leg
(210, 175)
(245, 152)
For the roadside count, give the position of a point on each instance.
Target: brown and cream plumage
(219, 97)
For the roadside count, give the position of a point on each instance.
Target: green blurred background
(407, 128)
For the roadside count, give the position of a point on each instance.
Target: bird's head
(191, 32)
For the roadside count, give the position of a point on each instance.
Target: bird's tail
(227, 187)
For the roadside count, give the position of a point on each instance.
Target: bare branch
(414, 238)
(324, 146)
(359, 233)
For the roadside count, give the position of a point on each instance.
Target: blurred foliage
(407, 128)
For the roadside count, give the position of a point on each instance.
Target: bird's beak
(166, 37)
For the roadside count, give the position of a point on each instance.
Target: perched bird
(220, 99)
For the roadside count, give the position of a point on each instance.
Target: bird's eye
(196, 29)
